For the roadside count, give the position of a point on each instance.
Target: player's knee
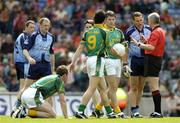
(52, 115)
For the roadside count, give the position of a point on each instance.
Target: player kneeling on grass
(33, 98)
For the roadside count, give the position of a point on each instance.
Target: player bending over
(33, 98)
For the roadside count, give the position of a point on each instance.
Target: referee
(154, 50)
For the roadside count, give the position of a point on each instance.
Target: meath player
(34, 97)
(113, 63)
(94, 42)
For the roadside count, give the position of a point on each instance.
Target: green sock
(81, 108)
(108, 109)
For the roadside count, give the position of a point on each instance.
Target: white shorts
(113, 67)
(31, 98)
(95, 67)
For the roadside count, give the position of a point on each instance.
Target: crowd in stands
(67, 18)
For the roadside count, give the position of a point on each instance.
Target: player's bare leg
(113, 83)
(43, 111)
(135, 95)
(96, 98)
(140, 87)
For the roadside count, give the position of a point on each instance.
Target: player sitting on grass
(33, 98)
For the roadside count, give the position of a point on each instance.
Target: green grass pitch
(7, 119)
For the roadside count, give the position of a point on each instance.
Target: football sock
(157, 101)
(99, 107)
(32, 113)
(81, 108)
(117, 110)
(108, 109)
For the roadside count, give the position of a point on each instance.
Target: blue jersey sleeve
(29, 42)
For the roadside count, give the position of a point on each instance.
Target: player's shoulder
(130, 30)
(20, 36)
(119, 30)
(50, 34)
(34, 34)
(147, 27)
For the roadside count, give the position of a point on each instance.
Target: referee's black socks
(157, 101)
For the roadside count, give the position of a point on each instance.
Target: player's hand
(134, 41)
(126, 71)
(143, 39)
(71, 67)
(31, 60)
(84, 69)
(125, 43)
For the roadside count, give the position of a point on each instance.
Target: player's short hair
(89, 21)
(29, 22)
(136, 14)
(154, 17)
(99, 17)
(110, 13)
(61, 70)
(44, 19)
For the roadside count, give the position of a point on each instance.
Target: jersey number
(92, 42)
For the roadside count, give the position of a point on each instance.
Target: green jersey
(49, 85)
(113, 36)
(94, 40)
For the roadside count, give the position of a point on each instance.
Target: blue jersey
(135, 33)
(40, 46)
(19, 46)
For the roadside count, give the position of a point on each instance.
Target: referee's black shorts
(152, 65)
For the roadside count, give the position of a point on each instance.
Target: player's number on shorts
(92, 42)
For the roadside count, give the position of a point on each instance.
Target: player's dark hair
(61, 70)
(136, 14)
(29, 22)
(110, 13)
(99, 17)
(89, 21)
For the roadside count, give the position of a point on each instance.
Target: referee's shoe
(156, 115)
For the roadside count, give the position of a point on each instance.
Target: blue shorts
(137, 66)
(38, 70)
(21, 70)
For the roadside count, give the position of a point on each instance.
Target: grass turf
(7, 119)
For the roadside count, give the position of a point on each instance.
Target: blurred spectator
(173, 101)
(12, 82)
(8, 45)
(174, 66)
(2, 84)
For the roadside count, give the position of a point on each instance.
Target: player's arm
(28, 57)
(114, 52)
(76, 56)
(52, 62)
(126, 68)
(154, 40)
(52, 56)
(26, 45)
(63, 104)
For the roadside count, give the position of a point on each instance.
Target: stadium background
(67, 17)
